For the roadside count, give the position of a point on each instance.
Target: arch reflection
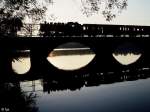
(71, 56)
(127, 59)
(127, 54)
(21, 64)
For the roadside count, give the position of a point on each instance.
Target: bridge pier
(41, 47)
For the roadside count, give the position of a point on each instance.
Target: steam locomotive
(92, 30)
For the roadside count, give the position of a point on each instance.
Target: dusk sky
(137, 13)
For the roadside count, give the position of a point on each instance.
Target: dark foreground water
(127, 96)
(102, 92)
(120, 97)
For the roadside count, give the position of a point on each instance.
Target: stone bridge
(41, 47)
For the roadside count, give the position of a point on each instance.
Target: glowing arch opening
(22, 64)
(127, 54)
(127, 59)
(71, 56)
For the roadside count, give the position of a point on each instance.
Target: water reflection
(89, 92)
(71, 56)
(118, 97)
(13, 99)
(127, 59)
(127, 54)
(72, 62)
(85, 92)
(21, 64)
(76, 82)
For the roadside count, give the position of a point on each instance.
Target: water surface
(126, 96)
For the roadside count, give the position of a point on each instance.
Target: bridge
(41, 47)
(42, 39)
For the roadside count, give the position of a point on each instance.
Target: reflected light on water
(21, 65)
(71, 62)
(71, 56)
(127, 59)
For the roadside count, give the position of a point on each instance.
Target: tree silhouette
(22, 8)
(13, 12)
(109, 8)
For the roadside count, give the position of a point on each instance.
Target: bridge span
(41, 47)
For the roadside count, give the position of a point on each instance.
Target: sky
(137, 13)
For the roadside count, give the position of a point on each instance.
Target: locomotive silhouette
(92, 30)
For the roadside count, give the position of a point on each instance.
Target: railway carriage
(92, 30)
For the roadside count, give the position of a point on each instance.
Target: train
(92, 30)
